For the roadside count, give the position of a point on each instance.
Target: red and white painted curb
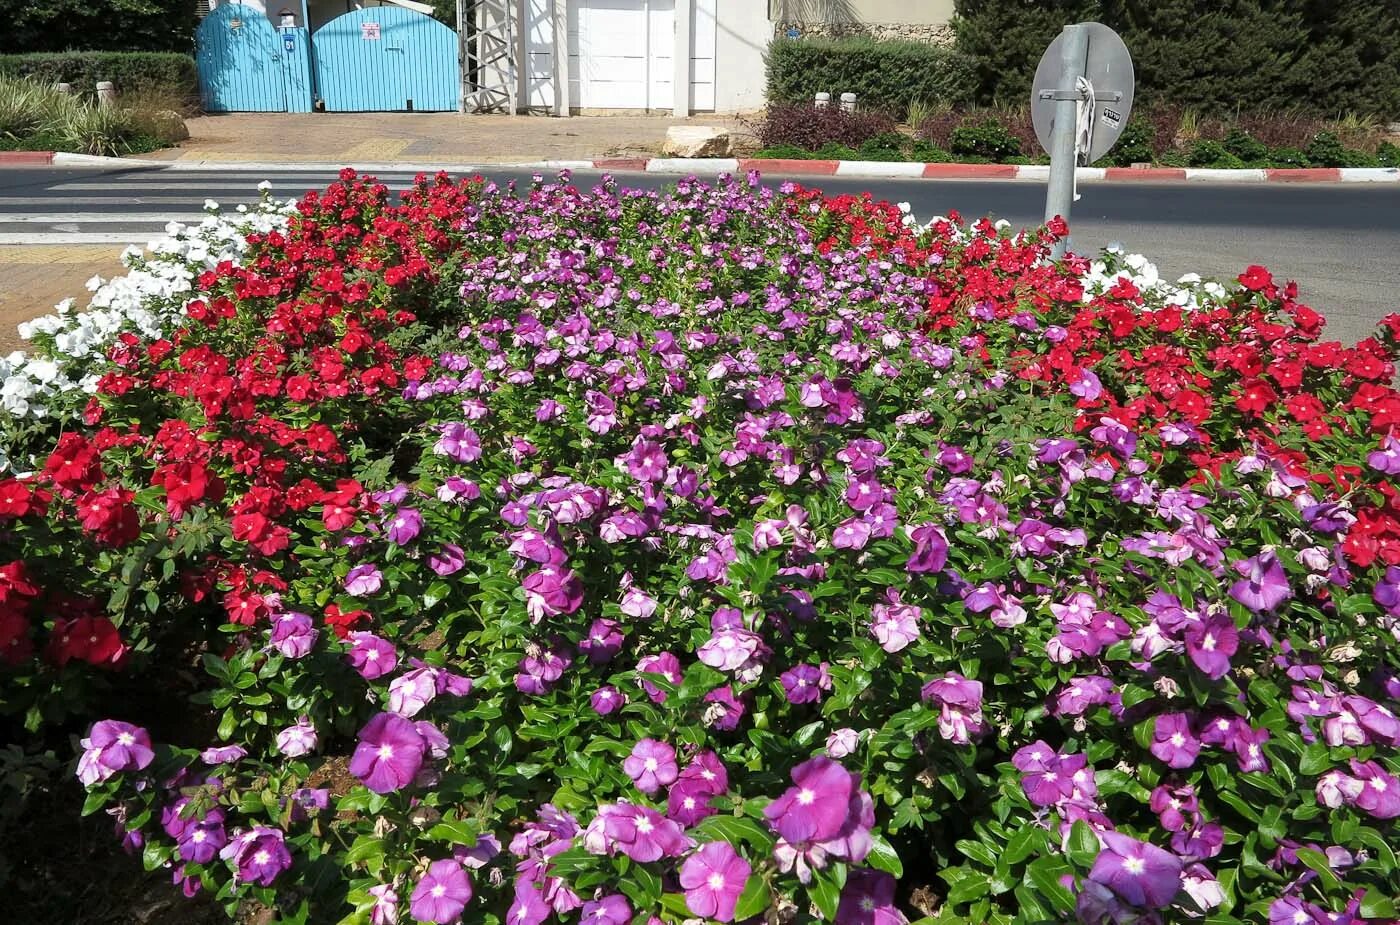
(677, 166)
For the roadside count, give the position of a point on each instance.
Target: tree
(97, 25)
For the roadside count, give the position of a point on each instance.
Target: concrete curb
(704, 166)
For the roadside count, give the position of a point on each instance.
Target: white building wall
(742, 33)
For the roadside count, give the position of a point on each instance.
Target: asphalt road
(1340, 241)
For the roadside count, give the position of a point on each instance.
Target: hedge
(97, 25)
(884, 75)
(166, 72)
(1317, 58)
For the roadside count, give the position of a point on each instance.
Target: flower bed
(722, 553)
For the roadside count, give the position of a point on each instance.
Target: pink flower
(714, 878)
(652, 765)
(389, 754)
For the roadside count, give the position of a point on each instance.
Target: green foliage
(1322, 57)
(100, 25)
(132, 72)
(1327, 150)
(36, 117)
(1134, 146)
(1388, 154)
(1212, 154)
(987, 138)
(883, 75)
(1245, 146)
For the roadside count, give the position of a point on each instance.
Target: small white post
(848, 102)
(823, 100)
(64, 88)
(106, 92)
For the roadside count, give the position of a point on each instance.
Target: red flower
(1256, 279)
(110, 516)
(15, 583)
(74, 463)
(342, 622)
(15, 645)
(18, 499)
(94, 640)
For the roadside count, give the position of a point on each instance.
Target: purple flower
(641, 833)
(724, 710)
(363, 579)
(652, 765)
(930, 550)
(729, 649)
(404, 527)
(1387, 591)
(842, 742)
(448, 560)
(1083, 694)
(954, 459)
(1380, 791)
(868, 899)
(298, 739)
(1264, 585)
(1116, 435)
(893, 624)
(1173, 806)
(607, 699)
(608, 910)
(1386, 460)
(258, 855)
(818, 808)
(442, 893)
(552, 591)
(1293, 910)
(1201, 843)
(1087, 386)
(713, 879)
(293, 634)
(389, 753)
(646, 462)
(385, 910)
(804, 683)
(960, 706)
(1211, 642)
(665, 664)
(1173, 741)
(604, 640)
(459, 442)
(852, 533)
(371, 656)
(637, 603)
(111, 747)
(1140, 874)
(688, 802)
(529, 907)
(223, 754)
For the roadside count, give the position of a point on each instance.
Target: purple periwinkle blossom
(639, 832)
(1117, 436)
(363, 579)
(411, 691)
(528, 907)
(1380, 790)
(714, 878)
(552, 591)
(202, 839)
(894, 625)
(1087, 386)
(842, 742)
(637, 603)
(868, 899)
(1175, 806)
(1200, 843)
(604, 640)
(1264, 585)
(458, 442)
(729, 649)
(385, 910)
(607, 699)
(448, 560)
(606, 910)
(293, 635)
(954, 459)
(111, 747)
(805, 683)
(298, 739)
(403, 528)
(1003, 609)
(1294, 910)
(1386, 460)
(223, 754)
(652, 766)
(930, 550)
(1140, 874)
(370, 655)
(724, 710)
(960, 706)
(664, 664)
(646, 462)
(1387, 591)
(825, 805)
(389, 754)
(688, 803)
(258, 856)
(442, 893)
(1081, 695)
(1211, 642)
(852, 533)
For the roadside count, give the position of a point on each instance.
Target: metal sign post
(1080, 102)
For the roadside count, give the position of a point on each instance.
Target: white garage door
(621, 53)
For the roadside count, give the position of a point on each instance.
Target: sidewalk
(33, 279)
(446, 137)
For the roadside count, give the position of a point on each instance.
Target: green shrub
(1325, 58)
(1327, 150)
(929, 153)
(987, 138)
(36, 117)
(887, 146)
(784, 152)
(883, 75)
(97, 25)
(1245, 146)
(1288, 158)
(1388, 154)
(1212, 154)
(1134, 146)
(132, 72)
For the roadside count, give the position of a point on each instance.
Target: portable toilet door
(244, 65)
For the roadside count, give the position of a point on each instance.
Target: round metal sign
(1109, 67)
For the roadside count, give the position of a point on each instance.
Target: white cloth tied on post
(1083, 125)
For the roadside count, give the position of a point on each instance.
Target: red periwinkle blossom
(111, 747)
(1139, 873)
(713, 879)
(652, 765)
(389, 753)
(1264, 585)
(442, 893)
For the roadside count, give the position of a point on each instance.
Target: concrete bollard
(848, 102)
(823, 100)
(64, 88)
(106, 93)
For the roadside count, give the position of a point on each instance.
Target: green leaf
(643, 886)
(735, 830)
(363, 849)
(1045, 873)
(966, 885)
(978, 852)
(1376, 906)
(1083, 845)
(1024, 842)
(882, 857)
(454, 832)
(825, 894)
(1317, 861)
(755, 899)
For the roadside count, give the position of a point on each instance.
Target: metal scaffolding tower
(488, 31)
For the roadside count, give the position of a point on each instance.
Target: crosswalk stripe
(99, 218)
(8, 239)
(144, 200)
